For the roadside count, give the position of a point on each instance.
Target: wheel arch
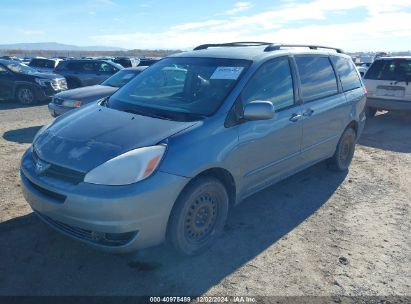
(225, 177)
(354, 125)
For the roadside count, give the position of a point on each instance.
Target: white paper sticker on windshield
(226, 73)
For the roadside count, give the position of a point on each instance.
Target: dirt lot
(316, 233)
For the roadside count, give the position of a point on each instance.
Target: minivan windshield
(390, 69)
(179, 88)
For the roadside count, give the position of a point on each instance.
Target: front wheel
(198, 216)
(344, 153)
(26, 95)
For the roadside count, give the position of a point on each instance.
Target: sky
(353, 25)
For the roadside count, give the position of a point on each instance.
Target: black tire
(344, 153)
(73, 83)
(198, 216)
(26, 95)
(370, 112)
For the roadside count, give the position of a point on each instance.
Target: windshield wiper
(146, 113)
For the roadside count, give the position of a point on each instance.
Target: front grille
(100, 238)
(61, 173)
(60, 198)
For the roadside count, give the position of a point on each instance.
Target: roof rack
(270, 46)
(231, 44)
(277, 46)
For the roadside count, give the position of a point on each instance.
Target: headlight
(127, 168)
(71, 103)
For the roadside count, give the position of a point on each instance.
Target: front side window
(271, 82)
(347, 72)
(104, 67)
(317, 77)
(390, 69)
(180, 88)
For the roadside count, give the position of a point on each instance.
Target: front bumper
(57, 110)
(389, 104)
(89, 212)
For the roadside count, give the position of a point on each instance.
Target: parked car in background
(388, 81)
(166, 158)
(44, 64)
(70, 99)
(362, 70)
(27, 85)
(148, 61)
(86, 72)
(127, 62)
(14, 58)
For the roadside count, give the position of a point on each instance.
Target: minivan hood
(90, 93)
(95, 134)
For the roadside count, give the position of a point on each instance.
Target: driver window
(104, 67)
(272, 82)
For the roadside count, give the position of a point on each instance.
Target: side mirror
(259, 110)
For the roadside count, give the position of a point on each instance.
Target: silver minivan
(170, 153)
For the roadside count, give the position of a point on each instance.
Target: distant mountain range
(54, 46)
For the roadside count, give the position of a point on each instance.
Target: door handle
(295, 117)
(308, 112)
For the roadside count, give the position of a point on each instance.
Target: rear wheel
(370, 112)
(198, 216)
(26, 95)
(344, 153)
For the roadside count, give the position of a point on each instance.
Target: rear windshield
(393, 69)
(42, 63)
(180, 88)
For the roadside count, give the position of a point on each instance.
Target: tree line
(81, 53)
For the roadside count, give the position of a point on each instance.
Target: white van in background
(388, 82)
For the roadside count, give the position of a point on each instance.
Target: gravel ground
(318, 233)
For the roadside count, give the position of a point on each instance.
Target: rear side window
(317, 77)
(272, 82)
(88, 67)
(75, 65)
(347, 72)
(395, 69)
